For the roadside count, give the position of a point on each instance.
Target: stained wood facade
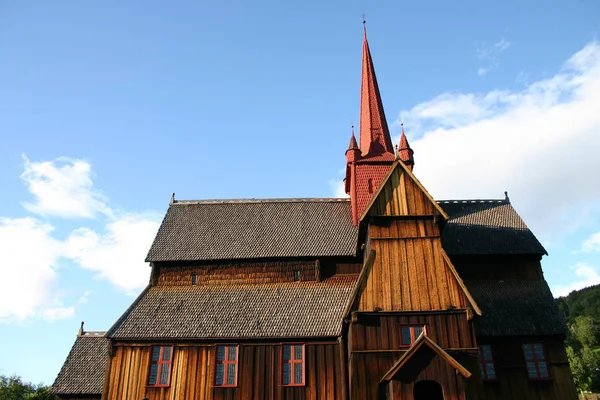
(385, 295)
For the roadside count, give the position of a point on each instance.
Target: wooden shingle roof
(247, 229)
(272, 310)
(515, 308)
(252, 229)
(478, 227)
(84, 369)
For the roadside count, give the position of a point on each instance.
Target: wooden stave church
(388, 294)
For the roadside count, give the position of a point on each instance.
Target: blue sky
(108, 107)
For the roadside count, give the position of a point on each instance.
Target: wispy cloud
(539, 143)
(63, 188)
(488, 55)
(591, 244)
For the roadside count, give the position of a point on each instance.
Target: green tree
(13, 388)
(585, 363)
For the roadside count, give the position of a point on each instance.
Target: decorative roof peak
(375, 137)
(404, 152)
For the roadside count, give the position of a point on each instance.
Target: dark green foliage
(13, 388)
(585, 363)
(584, 302)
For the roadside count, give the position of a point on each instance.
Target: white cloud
(29, 262)
(586, 275)
(539, 143)
(591, 244)
(482, 71)
(118, 254)
(63, 188)
(337, 188)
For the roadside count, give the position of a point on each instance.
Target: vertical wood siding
(259, 374)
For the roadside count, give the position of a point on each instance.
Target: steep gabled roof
(486, 227)
(515, 308)
(247, 229)
(273, 310)
(84, 369)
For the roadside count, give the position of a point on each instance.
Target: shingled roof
(253, 229)
(84, 369)
(486, 227)
(246, 229)
(273, 310)
(515, 307)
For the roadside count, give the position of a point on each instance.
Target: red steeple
(405, 153)
(374, 134)
(366, 167)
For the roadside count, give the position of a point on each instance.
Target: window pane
(406, 335)
(543, 367)
(418, 330)
(487, 353)
(155, 353)
(220, 353)
(286, 373)
(297, 352)
(231, 374)
(482, 371)
(532, 370)
(539, 351)
(153, 374)
(164, 376)
(491, 372)
(298, 373)
(287, 352)
(219, 374)
(528, 351)
(166, 354)
(232, 353)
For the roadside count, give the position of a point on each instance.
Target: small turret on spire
(353, 152)
(404, 152)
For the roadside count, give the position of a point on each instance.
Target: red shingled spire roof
(374, 134)
(405, 153)
(353, 145)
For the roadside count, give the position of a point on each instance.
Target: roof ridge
(471, 201)
(92, 334)
(268, 200)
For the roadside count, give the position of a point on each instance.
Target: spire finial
(364, 24)
(81, 331)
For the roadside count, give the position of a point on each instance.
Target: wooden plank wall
(259, 373)
(409, 272)
(237, 273)
(374, 344)
(514, 383)
(402, 196)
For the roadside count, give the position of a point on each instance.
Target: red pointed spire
(375, 137)
(353, 145)
(405, 153)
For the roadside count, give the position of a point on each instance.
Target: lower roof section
(274, 310)
(83, 372)
(515, 308)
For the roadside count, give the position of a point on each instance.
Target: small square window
(297, 275)
(194, 279)
(410, 333)
(226, 365)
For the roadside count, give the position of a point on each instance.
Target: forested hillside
(581, 303)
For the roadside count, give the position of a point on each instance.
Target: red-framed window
(226, 365)
(535, 359)
(410, 333)
(292, 365)
(486, 363)
(160, 366)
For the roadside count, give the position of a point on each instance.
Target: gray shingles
(515, 307)
(84, 369)
(274, 310)
(486, 227)
(255, 229)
